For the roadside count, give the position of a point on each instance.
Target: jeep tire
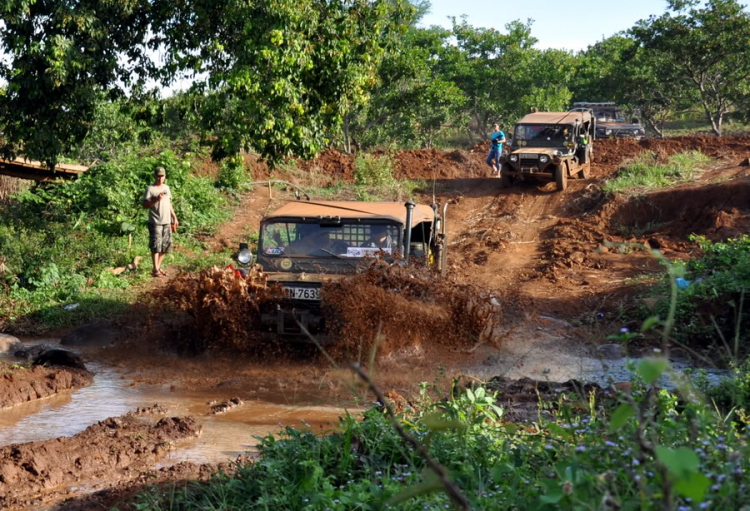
(561, 177)
(585, 171)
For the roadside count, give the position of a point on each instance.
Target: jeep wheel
(561, 177)
(585, 171)
(505, 180)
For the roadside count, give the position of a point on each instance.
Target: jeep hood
(549, 151)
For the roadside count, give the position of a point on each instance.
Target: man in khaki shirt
(161, 219)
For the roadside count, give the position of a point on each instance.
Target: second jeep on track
(550, 146)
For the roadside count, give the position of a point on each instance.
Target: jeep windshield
(556, 133)
(319, 240)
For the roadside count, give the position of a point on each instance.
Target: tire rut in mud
(22, 384)
(115, 449)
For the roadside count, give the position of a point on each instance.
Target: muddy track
(22, 384)
(115, 449)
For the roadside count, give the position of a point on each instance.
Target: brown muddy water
(224, 436)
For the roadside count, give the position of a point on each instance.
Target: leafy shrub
(373, 170)
(232, 172)
(713, 307)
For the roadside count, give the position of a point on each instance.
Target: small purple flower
(581, 448)
(636, 462)
(703, 505)
(683, 508)
(610, 443)
(624, 330)
(548, 447)
(721, 478)
(721, 438)
(716, 487)
(706, 443)
(721, 447)
(600, 315)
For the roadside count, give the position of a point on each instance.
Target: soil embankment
(115, 449)
(21, 384)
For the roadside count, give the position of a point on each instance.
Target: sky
(563, 24)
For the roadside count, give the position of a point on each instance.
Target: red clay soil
(20, 384)
(114, 449)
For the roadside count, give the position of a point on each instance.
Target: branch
(453, 491)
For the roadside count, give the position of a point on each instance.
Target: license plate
(530, 157)
(302, 293)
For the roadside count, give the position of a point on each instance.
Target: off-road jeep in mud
(611, 121)
(304, 244)
(550, 145)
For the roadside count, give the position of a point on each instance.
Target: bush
(373, 171)
(232, 172)
(714, 308)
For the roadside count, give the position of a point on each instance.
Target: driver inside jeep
(315, 241)
(379, 238)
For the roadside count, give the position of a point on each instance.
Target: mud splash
(408, 307)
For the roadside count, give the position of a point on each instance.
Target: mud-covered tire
(585, 171)
(561, 177)
(506, 181)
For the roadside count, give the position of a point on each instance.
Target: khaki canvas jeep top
(304, 244)
(550, 145)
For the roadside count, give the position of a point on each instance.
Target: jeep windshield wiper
(338, 257)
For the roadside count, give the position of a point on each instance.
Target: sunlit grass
(646, 171)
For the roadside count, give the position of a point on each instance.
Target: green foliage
(646, 171)
(373, 170)
(687, 456)
(713, 308)
(703, 47)
(232, 172)
(61, 56)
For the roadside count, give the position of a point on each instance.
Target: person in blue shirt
(497, 139)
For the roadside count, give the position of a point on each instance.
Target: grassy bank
(647, 171)
(646, 449)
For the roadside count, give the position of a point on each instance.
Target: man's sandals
(158, 273)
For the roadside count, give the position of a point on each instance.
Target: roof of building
(353, 210)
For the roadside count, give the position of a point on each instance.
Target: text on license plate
(302, 293)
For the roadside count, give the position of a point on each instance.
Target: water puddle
(224, 436)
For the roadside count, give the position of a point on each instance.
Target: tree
(413, 100)
(619, 69)
(503, 76)
(279, 73)
(61, 56)
(706, 46)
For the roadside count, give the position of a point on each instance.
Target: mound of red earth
(20, 384)
(114, 449)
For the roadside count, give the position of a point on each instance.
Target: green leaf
(693, 486)
(680, 462)
(649, 323)
(621, 416)
(436, 421)
(651, 368)
(554, 428)
(430, 483)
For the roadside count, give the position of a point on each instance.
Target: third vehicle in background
(551, 146)
(611, 121)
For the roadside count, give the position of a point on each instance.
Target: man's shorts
(159, 238)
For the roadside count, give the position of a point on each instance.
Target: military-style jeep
(611, 121)
(304, 244)
(550, 145)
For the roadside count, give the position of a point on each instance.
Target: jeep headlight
(513, 157)
(543, 158)
(245, 256)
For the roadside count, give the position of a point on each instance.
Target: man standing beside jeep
(497, 139)
(161, 219)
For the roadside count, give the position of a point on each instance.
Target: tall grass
(648, 171)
